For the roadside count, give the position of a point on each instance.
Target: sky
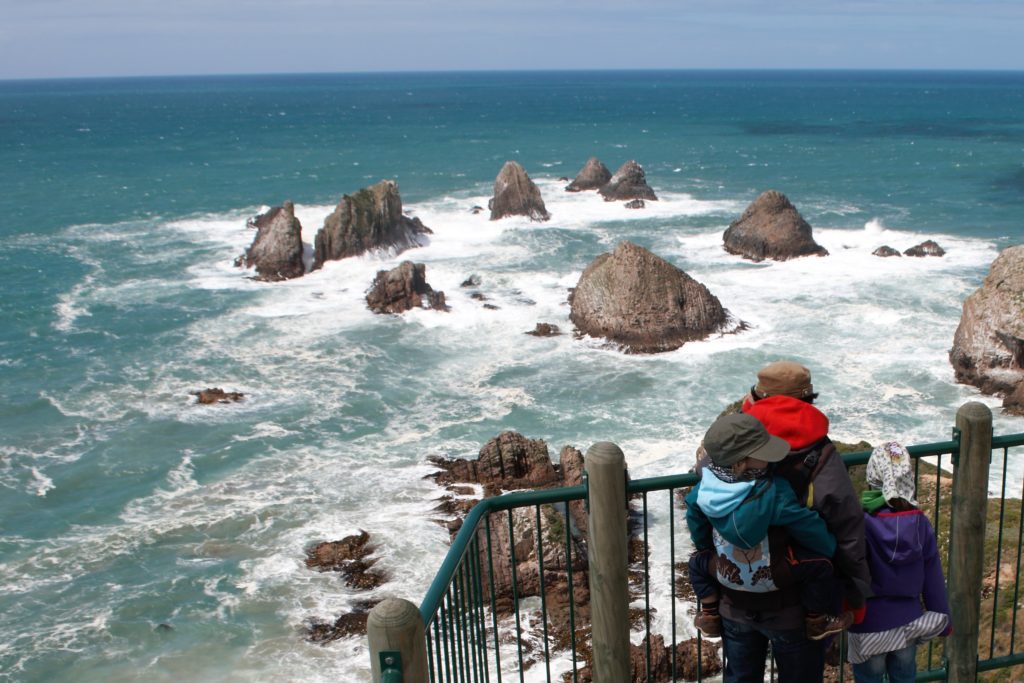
(87, 38)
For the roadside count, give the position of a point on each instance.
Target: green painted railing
(476, 633)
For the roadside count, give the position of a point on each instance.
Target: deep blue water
(124, 506)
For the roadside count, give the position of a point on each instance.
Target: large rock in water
(988, 346)
(276, 251)
(516, 195)
(368, 219)
(593, 176)
(771, 228)
(644, 303)
(629, 182)
(402, 288)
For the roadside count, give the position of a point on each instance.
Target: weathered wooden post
(395, 629)
(967, 534)
(605, 466)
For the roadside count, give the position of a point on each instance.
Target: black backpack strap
(801, 467)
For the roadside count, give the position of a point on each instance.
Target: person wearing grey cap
(756, 547)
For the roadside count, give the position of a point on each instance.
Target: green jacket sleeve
(697, 522)
(805, 526)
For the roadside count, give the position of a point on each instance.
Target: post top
(393, 612)
(604, 452)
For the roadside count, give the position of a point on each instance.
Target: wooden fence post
(395, 625)
(967, 534)
(605, 466)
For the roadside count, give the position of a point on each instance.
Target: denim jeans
(901, 665)
(745, 645)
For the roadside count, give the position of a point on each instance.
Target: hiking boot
(709, 624)
(824, 625)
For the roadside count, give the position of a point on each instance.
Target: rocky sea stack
(988, 346)
(593, 176)
(516, 195)
(403, 288)
(365, 220)
(771, 228)
(276, 251)
(629, 182)
(641, 301)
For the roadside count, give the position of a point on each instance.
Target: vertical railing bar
(467, 624)
(572, 594)
(647, 589)
(494, 604)
(479, 623)
(999, 557)
(456, 643)
(444, 628)
(459, 632)
(469, 595)
(438, 645)
(515, 592)
(672, 575)
(543, 597)
(949, 534)
(949, 537)
(463, 632)
(430, 657)
(1016, 583)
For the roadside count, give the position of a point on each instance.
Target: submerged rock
(545, 330)
(366, 220)
(350, 558)
(593, 176)
(926, 248)
(217, 395)
(403, 288)
(771, 228)
(516, 195)
(276, 251)
(349, 624)
(629, 182)
(988, 346)
(641, 301)
(635, 204)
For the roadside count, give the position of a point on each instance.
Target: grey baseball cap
(735, 437)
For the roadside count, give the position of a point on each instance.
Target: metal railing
(510, 601)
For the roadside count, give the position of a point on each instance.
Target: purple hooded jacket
(905, 570)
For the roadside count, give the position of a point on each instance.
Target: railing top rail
(918, 451)
(1008, 441)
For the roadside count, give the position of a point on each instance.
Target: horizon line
(400, 72)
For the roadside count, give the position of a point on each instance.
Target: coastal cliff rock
(403, 288)
(629, 182)
(276, 251)
(593, 176)
(771, 228)
(365, 220)
(516, 195)
(988, 346)
(926, 248)
(508, 461)
(641, 301)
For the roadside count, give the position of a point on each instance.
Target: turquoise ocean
(124, 506)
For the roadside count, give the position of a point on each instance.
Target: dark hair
(809, 398)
